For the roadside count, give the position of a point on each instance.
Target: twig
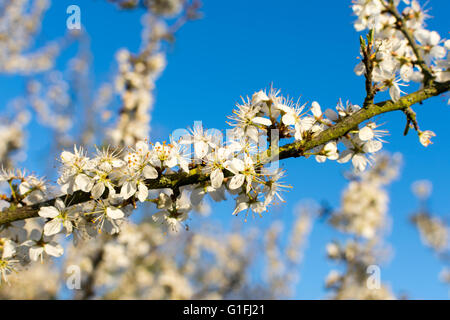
(400, 25)
(410, 119)
(366, 49)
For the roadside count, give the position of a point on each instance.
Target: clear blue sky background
(307, 49)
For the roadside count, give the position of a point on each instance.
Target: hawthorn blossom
(33, 189)
(442, 68)
(102, 181)
(7, 261)
(201, 141)
(75, 167)
(389, 81)
(139, 167)
(246, 202)
(106, 216)
(60, 218)
(357, 151)
(422, 189)
(217, 161)
(434, 232)
(39, 248)
(292, 116)
(329, 151)
(199, 192)
(174, 213)
(259, 97)
(163, 156)
(247, 118)
(172, 221)
(272, 187)
(367, 12)
(429, 41)
(415, 15)
(179, 152)
(139, 160)
(108, 160)
(425, 137)
(316, 110)
(366, 133)
(244, 171)
(343, 111)
(111, 181)
(364, 203)
(369, 132)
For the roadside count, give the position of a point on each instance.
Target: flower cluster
(135, 83)
(258, 116)
(433, 231)
(352, 283)
(112, 181)
(403, 49)
(363, 215)
(97, 192)
(142, 263)
(50, 100)
(365, 201)
(138, 72)
(12, 137)
(19, 22)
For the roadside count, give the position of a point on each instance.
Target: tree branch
(295, 149)
(400, 24)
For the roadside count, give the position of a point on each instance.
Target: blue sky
(305, 48)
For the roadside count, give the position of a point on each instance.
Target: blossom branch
(400, 25)
(295, 149)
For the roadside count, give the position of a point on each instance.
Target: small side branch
(366, 49)
(410, 120)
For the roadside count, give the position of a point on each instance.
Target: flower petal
(53, 227)
(98, 190)
(114, 213)
(150, 172)
(216, 178)
(48, 212)
(236, 181)
(263, 121)
(53, 249)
